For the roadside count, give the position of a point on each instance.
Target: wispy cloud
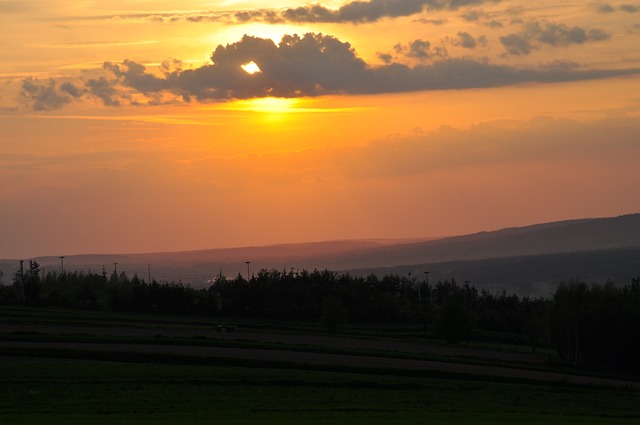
(95, 43)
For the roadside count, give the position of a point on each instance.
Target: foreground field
(81, 392)
(72, 383)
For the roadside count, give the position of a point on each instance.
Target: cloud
(629, 8)
(385, 57)
(135, 76)
(494, 24)
(473, 15)
(45, 96)
(603, 8)
(482, 17)
(356, 12)
(371, 11)
(432, 21)
(417, 49)
(607, 8)
(308, 65)
(516, 44)
(536, 34)
(103, 90)
(467, 41)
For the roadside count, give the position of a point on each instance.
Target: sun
(251, 68)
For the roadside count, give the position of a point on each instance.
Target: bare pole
(426, 279)
(115, 268)
(247, 263)
(61, 264)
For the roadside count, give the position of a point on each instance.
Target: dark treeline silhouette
(591, 325)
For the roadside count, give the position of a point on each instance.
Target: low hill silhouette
(527, 260)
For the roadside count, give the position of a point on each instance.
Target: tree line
(591, 325)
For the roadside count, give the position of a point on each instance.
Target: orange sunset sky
(156, 125)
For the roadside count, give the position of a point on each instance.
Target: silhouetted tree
(455, 317)
(334, 314)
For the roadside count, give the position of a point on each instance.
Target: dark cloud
(536, 34)
(473, 15)
(431, 21)
(309, 65)
(603, 8)
(44, 96)
(516, 44)
(420, 49)
(481, 17)
(134, 75)
(353, 12)
(385, 57)
(494, 24)
(629, 8)
(561, 34)
(607, 8)
(104, 90)
(71, 90)
(466, 40)
(269, 16)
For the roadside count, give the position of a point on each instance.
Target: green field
(73, 388)
(70, 392)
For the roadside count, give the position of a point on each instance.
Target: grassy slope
(70, 392)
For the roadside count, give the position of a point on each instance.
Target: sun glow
(274, 105)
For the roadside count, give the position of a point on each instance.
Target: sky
(155, 125)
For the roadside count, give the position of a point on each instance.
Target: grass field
(37, 389)
(81, 392)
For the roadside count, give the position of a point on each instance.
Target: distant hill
(548, 238)
(530, 275)
(527, 260)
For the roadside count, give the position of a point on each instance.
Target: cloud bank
(536, 34)
(302, 66)
(355, 12)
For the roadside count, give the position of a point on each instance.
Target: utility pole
(61, 264)
(426, 279)
(247, 263)
(115, 268)
(419, 298)
(149, 269)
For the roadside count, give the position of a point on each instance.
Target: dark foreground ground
(58, 367)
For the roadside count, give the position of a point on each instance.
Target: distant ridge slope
(548, 238)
